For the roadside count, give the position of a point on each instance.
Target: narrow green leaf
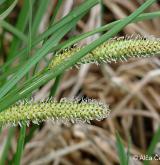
(154, 142)
(123, 157)
(20, 25)
(56, 85)
(42, 6)
(13, 30)
(6, 8)
(56, 10)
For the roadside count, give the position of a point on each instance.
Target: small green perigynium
(64, 111)
(117, 49)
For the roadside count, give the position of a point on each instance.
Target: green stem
(31, 133)
(20, 145)
(56, 85)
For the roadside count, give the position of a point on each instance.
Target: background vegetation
(31, 32)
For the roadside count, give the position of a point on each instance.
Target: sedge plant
(104, 49)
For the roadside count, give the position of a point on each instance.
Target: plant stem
(20, 145)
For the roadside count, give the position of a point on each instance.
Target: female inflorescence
(113, 50)
(65, 111)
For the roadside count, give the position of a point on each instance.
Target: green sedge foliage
(113, 50)
(65, 111)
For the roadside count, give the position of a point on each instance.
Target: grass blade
(21, 25)
(56, 85)
(56, 10)
(155, 140)
(39, 14)
(5, 10)
(13, 30)
(121, 151)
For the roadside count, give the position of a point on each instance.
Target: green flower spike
(65, 111)
(113, 50)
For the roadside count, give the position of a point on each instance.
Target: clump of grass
(64, 111)
(25, 112)
(113, 50)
